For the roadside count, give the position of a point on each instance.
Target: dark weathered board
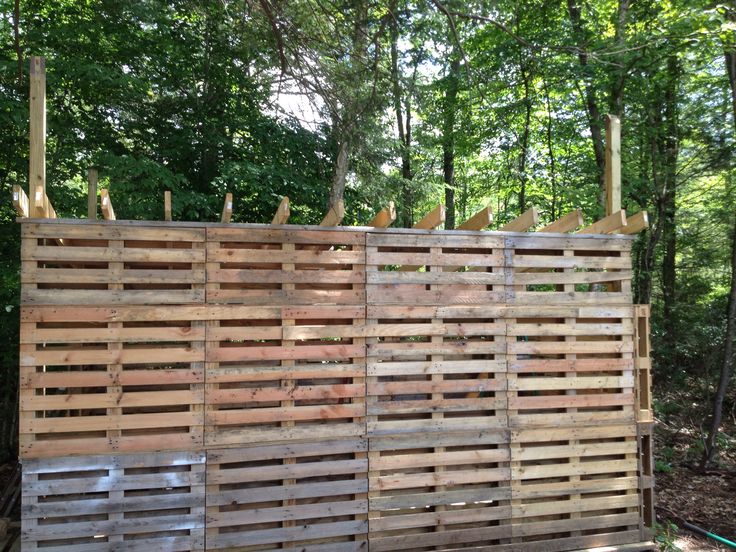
(117, 502)
(309, 496)
(411, 390)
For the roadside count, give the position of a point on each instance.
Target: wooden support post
(37, 154)
(607, 225)
(20, 201)
(567, 223)
(613, 164)
(432, 219)
(108, 213)
(478, 221)
(283, 212)
(385, 217)
(227, 208)
(523, 222)
(335, 215)
(636, 223)
(167, 205)
(92, 193)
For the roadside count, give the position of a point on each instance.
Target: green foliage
(665, 535)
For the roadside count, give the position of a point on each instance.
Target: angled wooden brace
(385, 217)
(108, 213)
(335, 214)
(523, 222)
(282, 212)
(479, 220)
(607, 225)
(566, 223)
(227, 208)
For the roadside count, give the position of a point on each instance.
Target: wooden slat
(523, 222)
(384, 217)
(282, 212)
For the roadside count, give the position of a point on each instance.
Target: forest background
(468, 103)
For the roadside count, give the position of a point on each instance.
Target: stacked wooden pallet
(191, 387)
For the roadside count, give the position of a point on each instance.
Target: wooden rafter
(636, 223)
(566, 223)
(385, 217)
(108, 213)
(523, 222)
(282, 212)
(335, 214)
(20, 201)
(227, 208)
(432, 219)
(167, 205)
(479, 220)
(607, 225)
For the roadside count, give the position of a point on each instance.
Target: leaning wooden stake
(479, 220)
(636, 223)
(613, 164)
(335, 215)
(92, 177)
(567, 223)
(227, 208)
(283, 212)
(167, 205)
(108, 213)
(37, 154)
(21, 202)
(523, 222)
(607, 225)
(385, 217)
(432, 219)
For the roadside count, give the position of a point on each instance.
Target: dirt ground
(682, 491)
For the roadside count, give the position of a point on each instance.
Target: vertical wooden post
(37, 168)
(167, 205)
(92, 193)
(613, 164)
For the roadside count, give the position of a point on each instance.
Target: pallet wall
(259, 388)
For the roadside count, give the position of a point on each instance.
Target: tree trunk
(670, 148)
(619, 76)
(403, 131)
(340, 169)
(448, 141)
(711, 444)
(524, 139)
(591, 104)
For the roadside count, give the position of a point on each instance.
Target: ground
(683, 491)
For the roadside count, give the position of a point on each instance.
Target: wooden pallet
(285, 267)
(307, 496)
(439, 475)
(285, 373)
(114, 503)
(110, 379)
(109, 264)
